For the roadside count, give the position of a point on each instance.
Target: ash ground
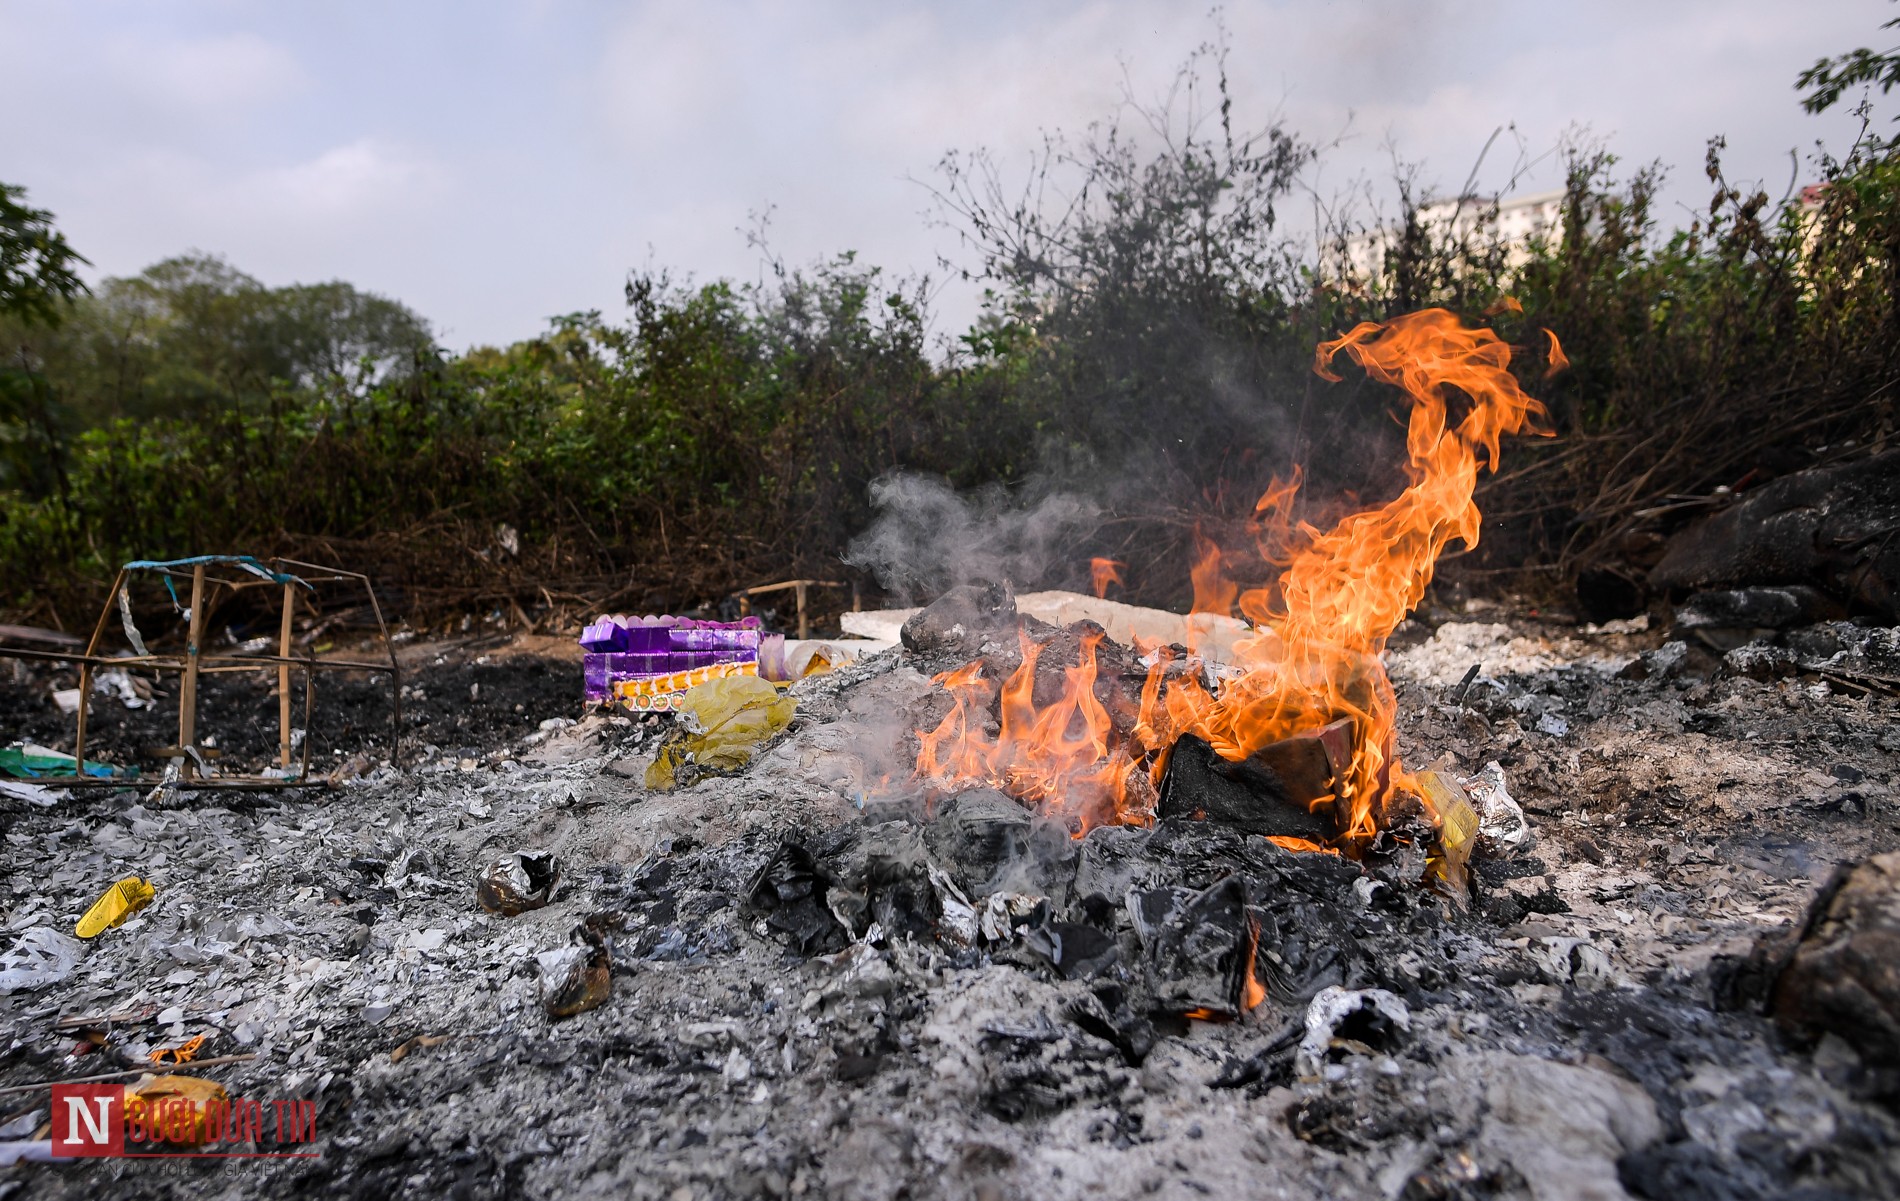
(1567, 1038)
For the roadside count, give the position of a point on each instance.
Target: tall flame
(1319, 628)
(1103, 572)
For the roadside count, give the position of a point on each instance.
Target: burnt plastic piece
(1076, 950)
(790, 891)
(518, 882)
(983, 834)
(1260, 795)
(1199, 946)
(579, 976)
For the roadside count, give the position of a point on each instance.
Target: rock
(1756, 609)
(1831, 528)
(1843, 977)
(957, 620)
(1563, 1127)
(1760, 661)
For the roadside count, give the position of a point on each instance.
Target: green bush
(1149, 342)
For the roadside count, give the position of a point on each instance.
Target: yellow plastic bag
(180, 1110)
(1457, 829)
(120, 901)
(724, 721)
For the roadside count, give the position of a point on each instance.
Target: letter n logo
(88, 1119)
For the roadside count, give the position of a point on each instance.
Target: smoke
(926, 538)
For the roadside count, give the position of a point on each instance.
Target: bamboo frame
(194, 662)
(798, 588)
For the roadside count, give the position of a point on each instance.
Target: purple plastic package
(632, 648)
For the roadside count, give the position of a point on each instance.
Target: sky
(494, 164)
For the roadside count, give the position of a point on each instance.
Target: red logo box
(88, 1120)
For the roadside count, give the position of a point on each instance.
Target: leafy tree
(38, 281)
(195, 335)
(1830, 78)
(37, 265)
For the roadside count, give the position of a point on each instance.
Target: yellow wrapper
(143, 1097)
(120, 901)
(1457, 827)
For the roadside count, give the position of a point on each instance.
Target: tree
(1830, 78)
(37, 265)
(194, 335)
(38, 282)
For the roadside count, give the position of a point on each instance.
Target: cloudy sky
(493, 164)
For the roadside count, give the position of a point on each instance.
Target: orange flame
(1214, 592)
(1556, 359)
(1059, 756)
(1103, 572)
(1320, 627)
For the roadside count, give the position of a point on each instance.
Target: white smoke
(926, 538)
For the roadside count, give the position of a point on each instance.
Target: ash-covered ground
(791, 1014)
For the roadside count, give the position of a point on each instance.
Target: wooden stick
(214, 1061)
(283, 680)
(85, 673)
(188, 694)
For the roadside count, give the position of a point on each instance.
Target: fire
(1103, 572)
(1319, 627)
(1060, 756)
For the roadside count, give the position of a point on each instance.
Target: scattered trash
(161, 1094)
(1457, 829)
(1004, 913)
(1274, 792)
(41, 957)
(118, 903)
(1200, 946)
(30, 1151)
(862, 969)
(789, 890)
(26, 761)
(518, 882)
(785, 662)
(647, 664)
(1354, 1020)
(419, 1041)
(134, 692)
(959, 924)
(183, 1053)
(577, 977)
(1503, 830)
(32, 794)
(727, 719)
